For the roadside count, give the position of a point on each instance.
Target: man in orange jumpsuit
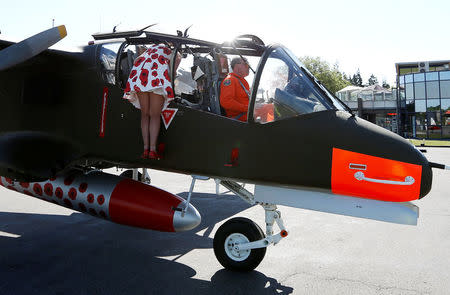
(235, 91)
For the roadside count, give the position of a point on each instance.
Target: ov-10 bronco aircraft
(63, 120)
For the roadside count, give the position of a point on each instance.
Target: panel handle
(409, 180)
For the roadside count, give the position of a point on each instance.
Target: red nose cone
(137, 204)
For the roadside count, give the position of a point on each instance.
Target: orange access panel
(370, 177)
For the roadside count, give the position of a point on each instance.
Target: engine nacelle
(121, 200)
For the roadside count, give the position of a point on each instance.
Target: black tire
(244, 227)
(129, 174)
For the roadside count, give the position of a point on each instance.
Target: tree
(356, 79)
(331, 78)
(386, 85)
(373, 80)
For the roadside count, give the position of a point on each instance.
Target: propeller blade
(30, 47)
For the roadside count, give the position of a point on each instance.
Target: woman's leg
(144, 101)
(156, 105)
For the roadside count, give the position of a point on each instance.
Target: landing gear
(235, 232)
(240, 244)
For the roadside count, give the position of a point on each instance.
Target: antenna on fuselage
(115, 27)
(184, 35)
(141, 30)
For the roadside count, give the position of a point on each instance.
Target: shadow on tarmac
(80, 254)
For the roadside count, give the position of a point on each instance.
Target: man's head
(240, 66)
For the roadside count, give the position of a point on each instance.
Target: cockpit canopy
(290, 87)
(281, 86)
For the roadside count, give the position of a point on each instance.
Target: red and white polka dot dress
(150, 73)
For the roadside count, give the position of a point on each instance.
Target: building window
(378, 96)
(433, 76)
(410, 106)
(389, 96)
(433, 89)
(419, 90)
(445, 89)
(409, 91)
(420, 105)
(366, 96)
(446, 106)
(433, 105)
(408, 78)
(444, 75)
(402, 94)
(419, 77)
(421, 128)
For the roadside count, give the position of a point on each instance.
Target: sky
(356, 34)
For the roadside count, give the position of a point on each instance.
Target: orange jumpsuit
(233, 97)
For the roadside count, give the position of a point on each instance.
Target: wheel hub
(231, 243)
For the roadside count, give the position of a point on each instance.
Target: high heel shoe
(153, 155)
(145, 154)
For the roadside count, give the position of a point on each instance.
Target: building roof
(371, 88)
(350, 88)
(414, 63)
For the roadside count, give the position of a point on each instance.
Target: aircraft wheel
(238, 230)
(129, 174)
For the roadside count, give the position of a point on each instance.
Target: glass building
(423, 99)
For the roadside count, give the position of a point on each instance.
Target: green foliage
(373, 80)
(356, 79)
(386, 85)
(331, 77)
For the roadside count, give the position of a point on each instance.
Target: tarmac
(47, 249)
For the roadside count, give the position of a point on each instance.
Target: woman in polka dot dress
(149, 81)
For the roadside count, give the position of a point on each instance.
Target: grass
(430, 142)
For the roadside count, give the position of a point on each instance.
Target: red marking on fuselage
(167, 115)
(103, 116)
(234, 155)
(343, 181)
